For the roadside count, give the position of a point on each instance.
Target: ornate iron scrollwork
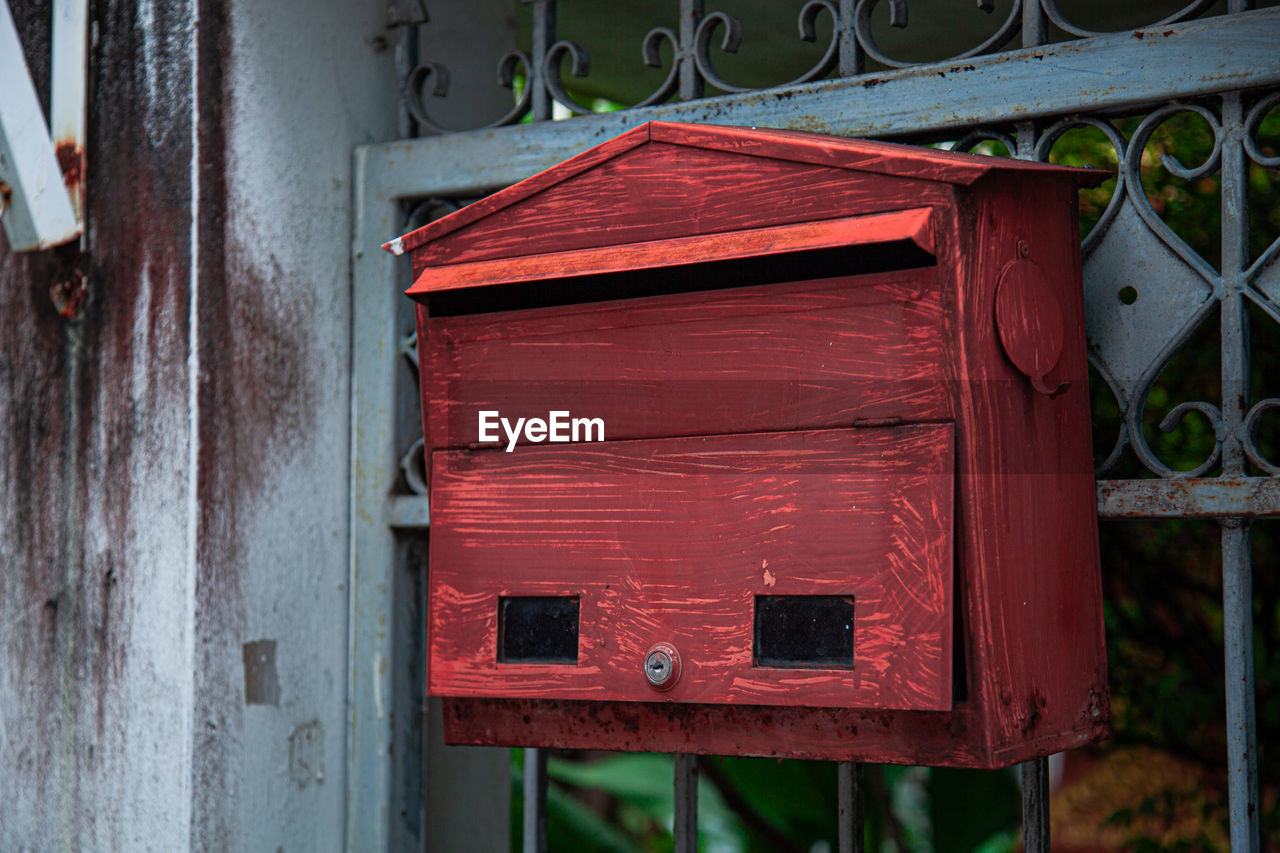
(1131, 237)
(732, 39)
(898, 19)
(852, 40)
(1053, 13)
(438, 76)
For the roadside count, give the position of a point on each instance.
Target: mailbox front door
(809, 568)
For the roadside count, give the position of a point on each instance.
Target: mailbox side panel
(1026, 497)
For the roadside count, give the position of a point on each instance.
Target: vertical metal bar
(1237, 577)
(406, 58)
(1034, 31)
(535, 801)
(1033, 35)
(849, 794)
(1242, 739)
(852, 59)
(691, 12)
(544, 35)
(1025, 136)
(1235, 258)
(373, 451)
(1035, 805)
(686, 822)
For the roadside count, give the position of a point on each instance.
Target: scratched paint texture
(175, 454)
(760, 358)
(916, 346)
(671, 540)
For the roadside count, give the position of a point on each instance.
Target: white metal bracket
(40, 206)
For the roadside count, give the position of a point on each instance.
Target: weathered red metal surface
(672, 540)
(773, 346)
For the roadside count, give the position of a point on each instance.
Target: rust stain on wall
(92, 384)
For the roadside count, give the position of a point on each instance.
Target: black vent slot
(804, 631)
(746, 272)
(538, 629)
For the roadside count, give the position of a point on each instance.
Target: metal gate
(1147, 292)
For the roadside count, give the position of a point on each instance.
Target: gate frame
(1221, 55)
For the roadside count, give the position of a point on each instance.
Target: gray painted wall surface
(304, 82)
(174, 477)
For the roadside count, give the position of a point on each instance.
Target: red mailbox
(758, 442)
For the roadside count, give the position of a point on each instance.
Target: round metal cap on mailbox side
(662, 666)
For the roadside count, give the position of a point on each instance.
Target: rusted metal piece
(1198, 497)
(922, 99)
(71, 158)
(68, 291)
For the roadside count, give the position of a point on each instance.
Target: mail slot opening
(804, 631)
(682, 278)
(538, 629)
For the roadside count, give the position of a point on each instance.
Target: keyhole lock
(662, 666)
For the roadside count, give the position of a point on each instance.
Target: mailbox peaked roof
(804, 149)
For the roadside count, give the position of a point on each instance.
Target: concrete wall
(301, 84)
(174, 516)
(97, 570)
